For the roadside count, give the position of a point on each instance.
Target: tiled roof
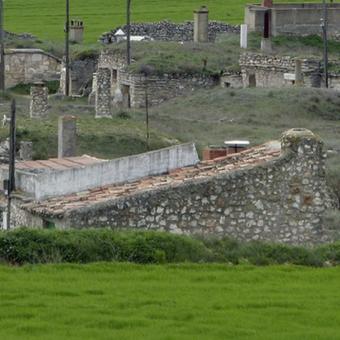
(56, 164)
(59, 205)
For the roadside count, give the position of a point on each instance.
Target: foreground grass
(46, 18)
(122, 301)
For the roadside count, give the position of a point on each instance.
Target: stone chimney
(201, 25)
(77, 31)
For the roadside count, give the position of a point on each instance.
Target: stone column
(103, 94)
(244, 36)
(298, 73)
(39, 101)
(67, 135)
(26, 151)
(201, 25)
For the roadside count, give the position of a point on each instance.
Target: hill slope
(46, 18)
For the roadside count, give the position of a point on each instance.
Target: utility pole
(67, 50)
(2, 48)
(147, 116)
(128, 32)
(12, 151)
(324, 26)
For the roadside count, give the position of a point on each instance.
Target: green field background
(45, 18)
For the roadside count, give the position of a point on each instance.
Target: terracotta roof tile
(250, 157)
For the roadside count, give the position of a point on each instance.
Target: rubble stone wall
(169, 31)
(260, 70)
(283, 200)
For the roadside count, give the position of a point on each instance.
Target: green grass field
(46, 18)
(121, 301)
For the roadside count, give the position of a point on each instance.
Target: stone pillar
(92, 96)
(298, 73)
(76, 31)
(244, 36)
(67, 135)
(201, 25)
(39, 101)
(103, 93)
(26, 151)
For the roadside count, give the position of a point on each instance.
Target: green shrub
(93, 245)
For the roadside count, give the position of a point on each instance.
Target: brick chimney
(267, 3)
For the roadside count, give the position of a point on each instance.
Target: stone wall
(30, 65)
(169, 31)
(260, 70)
(282, 200)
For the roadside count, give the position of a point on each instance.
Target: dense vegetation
(84, 246)
(46, 18)
(122, 301)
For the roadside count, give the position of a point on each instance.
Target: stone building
(262, 70)
(26, 66)
(274, 192)
(132, 87)
(292, 18)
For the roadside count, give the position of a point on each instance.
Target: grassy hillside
(121, 301)
(46, 18)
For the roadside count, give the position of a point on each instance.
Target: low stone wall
(169, 31)
(28, 66)
(283, 200)
(162, 88)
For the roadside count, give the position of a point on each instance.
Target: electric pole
(2, 48)
(324, 26)
(67, 50)
(128, 32)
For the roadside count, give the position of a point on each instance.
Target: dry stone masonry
(169, 31)
(103, 93)
(39, 101)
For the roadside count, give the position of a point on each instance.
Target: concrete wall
(59, 183)
(290, 18)
(29, 66)
(283, 200)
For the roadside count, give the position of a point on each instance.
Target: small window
(226, 84)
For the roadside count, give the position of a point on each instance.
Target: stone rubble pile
(169, 31)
